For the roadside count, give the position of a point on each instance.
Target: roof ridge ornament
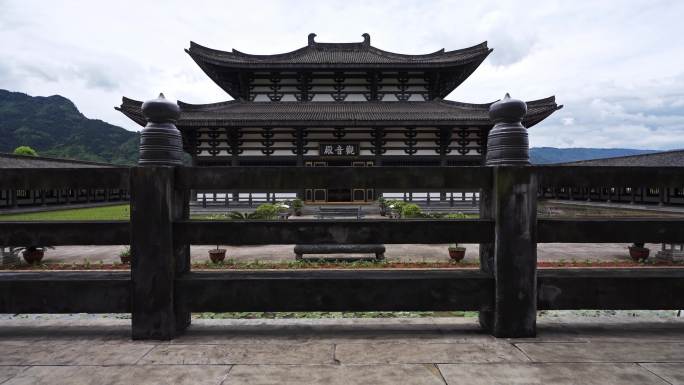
(311, 38)
(366, 40)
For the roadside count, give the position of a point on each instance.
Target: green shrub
(297, 203)
(25, 150)
(266, 211)
(395, 205)
(410, 210)
(237, 215)
(455, 216)
(125, 252)
(382, 202)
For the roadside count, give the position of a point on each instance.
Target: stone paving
(568, 350)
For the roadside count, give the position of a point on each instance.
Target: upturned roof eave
(235, 57)
(417, 66)
(542, 109)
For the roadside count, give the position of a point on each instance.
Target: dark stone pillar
(512, 205)
(486, 315)
(157, 258)
(13, 198)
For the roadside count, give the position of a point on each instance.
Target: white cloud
(615, 65)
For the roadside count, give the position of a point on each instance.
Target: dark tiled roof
(659, 159)
(229, 69)
(340, 55)
(24, 161)
(236, 113)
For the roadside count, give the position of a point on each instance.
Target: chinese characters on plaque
(338, 149)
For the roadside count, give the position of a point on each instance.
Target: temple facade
(338, 104)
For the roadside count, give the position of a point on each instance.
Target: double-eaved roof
(339, 55)
(230, 69)
(241, 113)
(444, 71)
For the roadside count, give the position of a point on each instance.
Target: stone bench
(339, 212)
(377, 249)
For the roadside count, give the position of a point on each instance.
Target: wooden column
(515, 252)
(157, 257)
(181, 252)
(512, 205)
(152, 253)
(486, 315)
(13, 198)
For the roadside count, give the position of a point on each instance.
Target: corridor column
(513, 207)
(157, 256)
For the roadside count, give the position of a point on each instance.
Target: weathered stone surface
(413, 353)
(75, 353)
(557, 374)
(644, 351)
(240, 354)
(123, 375)
(672, 373)
(7, 372)
(284, 331)
(70, 330)
(631, 331)
(334, 374)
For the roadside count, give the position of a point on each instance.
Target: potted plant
(456, 252)
(297, 206)
(638, 252)
(382, 202)
(217, 255)
(125, 255)
(33, 254)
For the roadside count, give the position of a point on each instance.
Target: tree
(25, 150)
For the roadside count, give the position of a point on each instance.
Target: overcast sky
(616, 66)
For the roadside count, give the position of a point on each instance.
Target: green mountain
(545, 155)
(54, 127)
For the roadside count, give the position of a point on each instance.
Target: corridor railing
(161, 291)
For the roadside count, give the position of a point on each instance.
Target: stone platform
(568, 350)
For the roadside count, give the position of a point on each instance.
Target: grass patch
(324, 315)
(231, 264)
(104, 213)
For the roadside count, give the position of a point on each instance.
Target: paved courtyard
(568, 350)
(401, 252)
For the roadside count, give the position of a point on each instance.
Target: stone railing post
(156, 256)
(513, 206)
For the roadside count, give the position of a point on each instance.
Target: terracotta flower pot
(457, 253)
(217, 255)
(33, 256)
(639, 253)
